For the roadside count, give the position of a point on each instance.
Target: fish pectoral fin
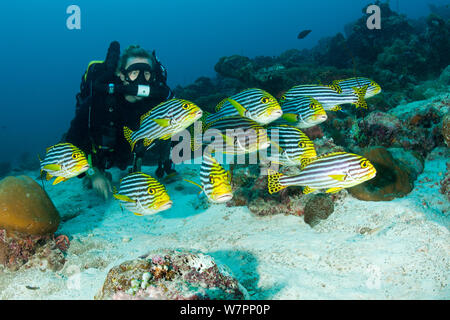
(48, 176)
(334, 190)
(52, 167)
(338, 177)
(138, 214)
(307, 190)
(123, 198)
(162, 122)
(59, 179)
(290, 117)
(240, 109)
(194, 183)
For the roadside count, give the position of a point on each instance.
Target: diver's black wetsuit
(97, 128)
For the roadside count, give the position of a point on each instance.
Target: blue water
(42, 61)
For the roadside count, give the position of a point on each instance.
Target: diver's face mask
(138, 73)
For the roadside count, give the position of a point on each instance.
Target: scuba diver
(115, 93)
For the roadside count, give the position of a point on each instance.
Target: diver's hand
(101, 184)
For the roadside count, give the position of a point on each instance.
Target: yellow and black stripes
(291, 144)
(332, 172)
(65, 161)
(164, 121)
(143, 194)
(302, 112)
(255, 104)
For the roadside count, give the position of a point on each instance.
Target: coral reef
(171, 275)
(445, 183)
(43, 252)
(393, 180)
(26, 207)
(319, 207)
(446, 129)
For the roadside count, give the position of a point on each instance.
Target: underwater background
(387, 238)
(43, 60)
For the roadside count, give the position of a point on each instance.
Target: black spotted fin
(273, 179)
(361, 93)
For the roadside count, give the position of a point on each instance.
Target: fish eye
(211, 179)
(283, 97)
(265, 100)
(185, 106)
(364, 164)
(313, 106)
(151, 190)
(75, 155)
(302, 144)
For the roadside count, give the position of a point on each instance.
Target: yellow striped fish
(347, 85)
(64, 161)
(302, 112)
(292, 146)
(331, 97)
(255, 104)
(142, 194)
(164, 121)
(216, 182)
(333, 172)
(238, 136)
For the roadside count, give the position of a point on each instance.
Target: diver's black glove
(112, 57)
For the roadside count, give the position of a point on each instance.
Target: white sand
(405, 256)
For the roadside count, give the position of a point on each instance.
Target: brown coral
(26, 208)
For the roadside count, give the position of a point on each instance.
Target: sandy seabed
(364, 250)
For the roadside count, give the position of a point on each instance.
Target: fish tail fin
(127, 132)
(361, 93)
(273, 179)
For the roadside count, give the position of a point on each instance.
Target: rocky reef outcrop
(28, 221)
(171, 275)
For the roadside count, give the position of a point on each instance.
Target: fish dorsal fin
(331, 154)
(220, 104)
(144, 116)
(305, 161)
(335, 87)
(240, 109)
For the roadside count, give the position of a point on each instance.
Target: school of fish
(247, 122)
